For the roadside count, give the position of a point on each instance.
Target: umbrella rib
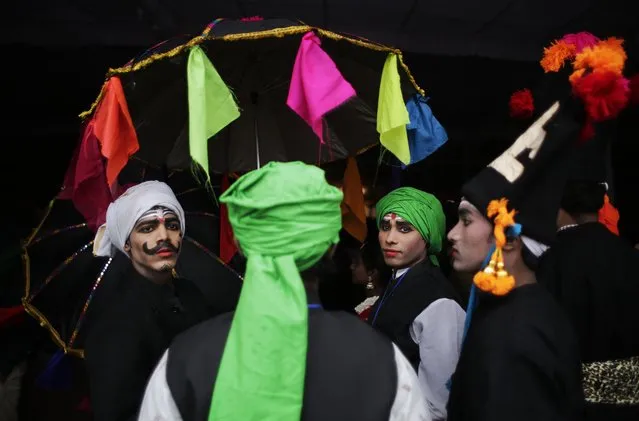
(211, 254)
(57, 231)
(96, 284)
(59, 269)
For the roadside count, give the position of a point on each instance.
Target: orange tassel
(494, 278)
(556, 55)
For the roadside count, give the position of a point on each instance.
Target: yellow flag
(392, 116)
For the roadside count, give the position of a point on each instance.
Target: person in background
(593, 274)
(368, 269)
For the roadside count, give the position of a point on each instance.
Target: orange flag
(114, 129)
(353, 206)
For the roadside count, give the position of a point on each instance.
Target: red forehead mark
(393, 216)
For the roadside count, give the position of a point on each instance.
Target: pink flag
(317, 86)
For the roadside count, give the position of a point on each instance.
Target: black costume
(123, 347)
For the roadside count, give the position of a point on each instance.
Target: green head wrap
(422, 210)
(285, 217)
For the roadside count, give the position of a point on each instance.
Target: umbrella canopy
(258, 60)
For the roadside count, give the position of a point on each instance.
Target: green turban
(422, 210)
(285, 217)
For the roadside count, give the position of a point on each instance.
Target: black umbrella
(255, 59)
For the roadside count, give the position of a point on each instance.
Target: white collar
(400, 272)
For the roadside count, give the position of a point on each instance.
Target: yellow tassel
(504, 283)
(485, 281)
(494, 278)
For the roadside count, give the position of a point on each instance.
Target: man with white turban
(146, 224)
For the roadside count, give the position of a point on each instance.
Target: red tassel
(634, 89)
(605, 94)
(587, 131)
(522, 104)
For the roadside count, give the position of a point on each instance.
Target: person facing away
(146, 224)
(520, 358)
(280, 356)
(594, 275)
(419, 309)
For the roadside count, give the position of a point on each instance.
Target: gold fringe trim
(44, 322)
(28, 307)
(271, 33)
(41, 318)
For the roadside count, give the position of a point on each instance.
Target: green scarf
(422, 210)
(285, 217)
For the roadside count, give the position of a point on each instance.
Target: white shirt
(409, 405)
(438, 331)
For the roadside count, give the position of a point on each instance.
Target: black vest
(350, 369)
(405, 299)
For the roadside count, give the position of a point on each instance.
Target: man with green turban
(280, 356)
(419, 310)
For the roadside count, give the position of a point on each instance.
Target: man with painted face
(520, 359)
(419, 308)
(146, 224)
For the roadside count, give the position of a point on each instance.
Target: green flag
(211, 105)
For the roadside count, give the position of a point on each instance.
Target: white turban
(127, 209)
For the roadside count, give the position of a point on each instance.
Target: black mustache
(160, 246)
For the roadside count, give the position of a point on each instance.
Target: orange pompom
(503, 285)
(556, 55)
(498, 209)
(485, 281)
(607, 55)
